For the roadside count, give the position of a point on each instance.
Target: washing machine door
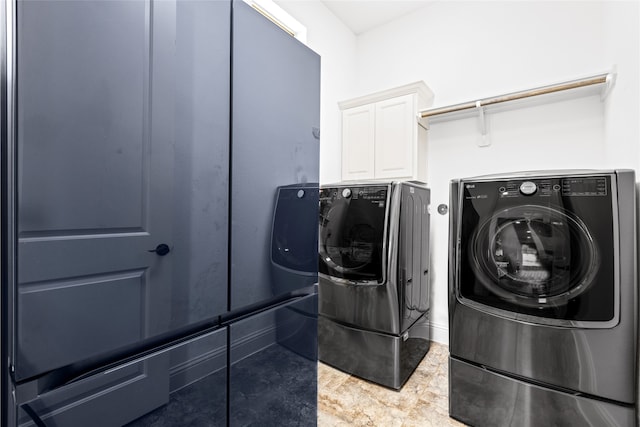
(352, 233)
(525, 254)
(539, 250)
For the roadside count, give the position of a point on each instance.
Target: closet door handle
(161, 250)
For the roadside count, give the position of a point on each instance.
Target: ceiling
(364, 15)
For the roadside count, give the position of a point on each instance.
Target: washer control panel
(565, 186)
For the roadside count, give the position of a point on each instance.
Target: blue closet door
(94, 141)
(122, 140)
(275, 121)
(95, 131)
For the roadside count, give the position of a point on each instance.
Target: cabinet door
(358, 142)
(275, 109)
(273, 366)
(395, 137)
(198, 385)
(201, 173)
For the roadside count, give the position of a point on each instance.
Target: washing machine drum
(533, 255)
(356, 253)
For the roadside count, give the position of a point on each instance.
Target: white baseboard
(439, 333)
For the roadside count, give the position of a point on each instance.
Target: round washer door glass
(351, 235)
(533, 255)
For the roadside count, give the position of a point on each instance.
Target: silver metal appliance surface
(374, 278)
(543, 300)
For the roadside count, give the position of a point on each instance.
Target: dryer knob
(346, 193)
(528, 188)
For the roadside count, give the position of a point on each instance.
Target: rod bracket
(609, 82)
(482, 126)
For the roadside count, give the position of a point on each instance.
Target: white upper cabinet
(381, 136)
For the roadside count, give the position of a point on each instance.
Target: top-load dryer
(374, 278)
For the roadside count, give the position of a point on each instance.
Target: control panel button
(528, 188)
(346, 193)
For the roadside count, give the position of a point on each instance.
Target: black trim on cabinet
(230, 209)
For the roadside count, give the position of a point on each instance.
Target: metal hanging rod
(607, 78)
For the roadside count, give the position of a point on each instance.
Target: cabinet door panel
(273, 371)
(198, 385)
(201, 177)
(194, 393)
(394, 130)
(107, 399)
(275, 108)
(358, 142)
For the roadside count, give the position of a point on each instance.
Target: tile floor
(344, 400)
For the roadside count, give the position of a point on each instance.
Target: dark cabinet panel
(275, 110)
(193, 394)
(83, 116)
(198, 385)
(200, 201)
(273, 372)
(107, 399)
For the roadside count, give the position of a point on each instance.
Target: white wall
(467, 50)
(470, 50)
(622, 107)
(336, 45)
